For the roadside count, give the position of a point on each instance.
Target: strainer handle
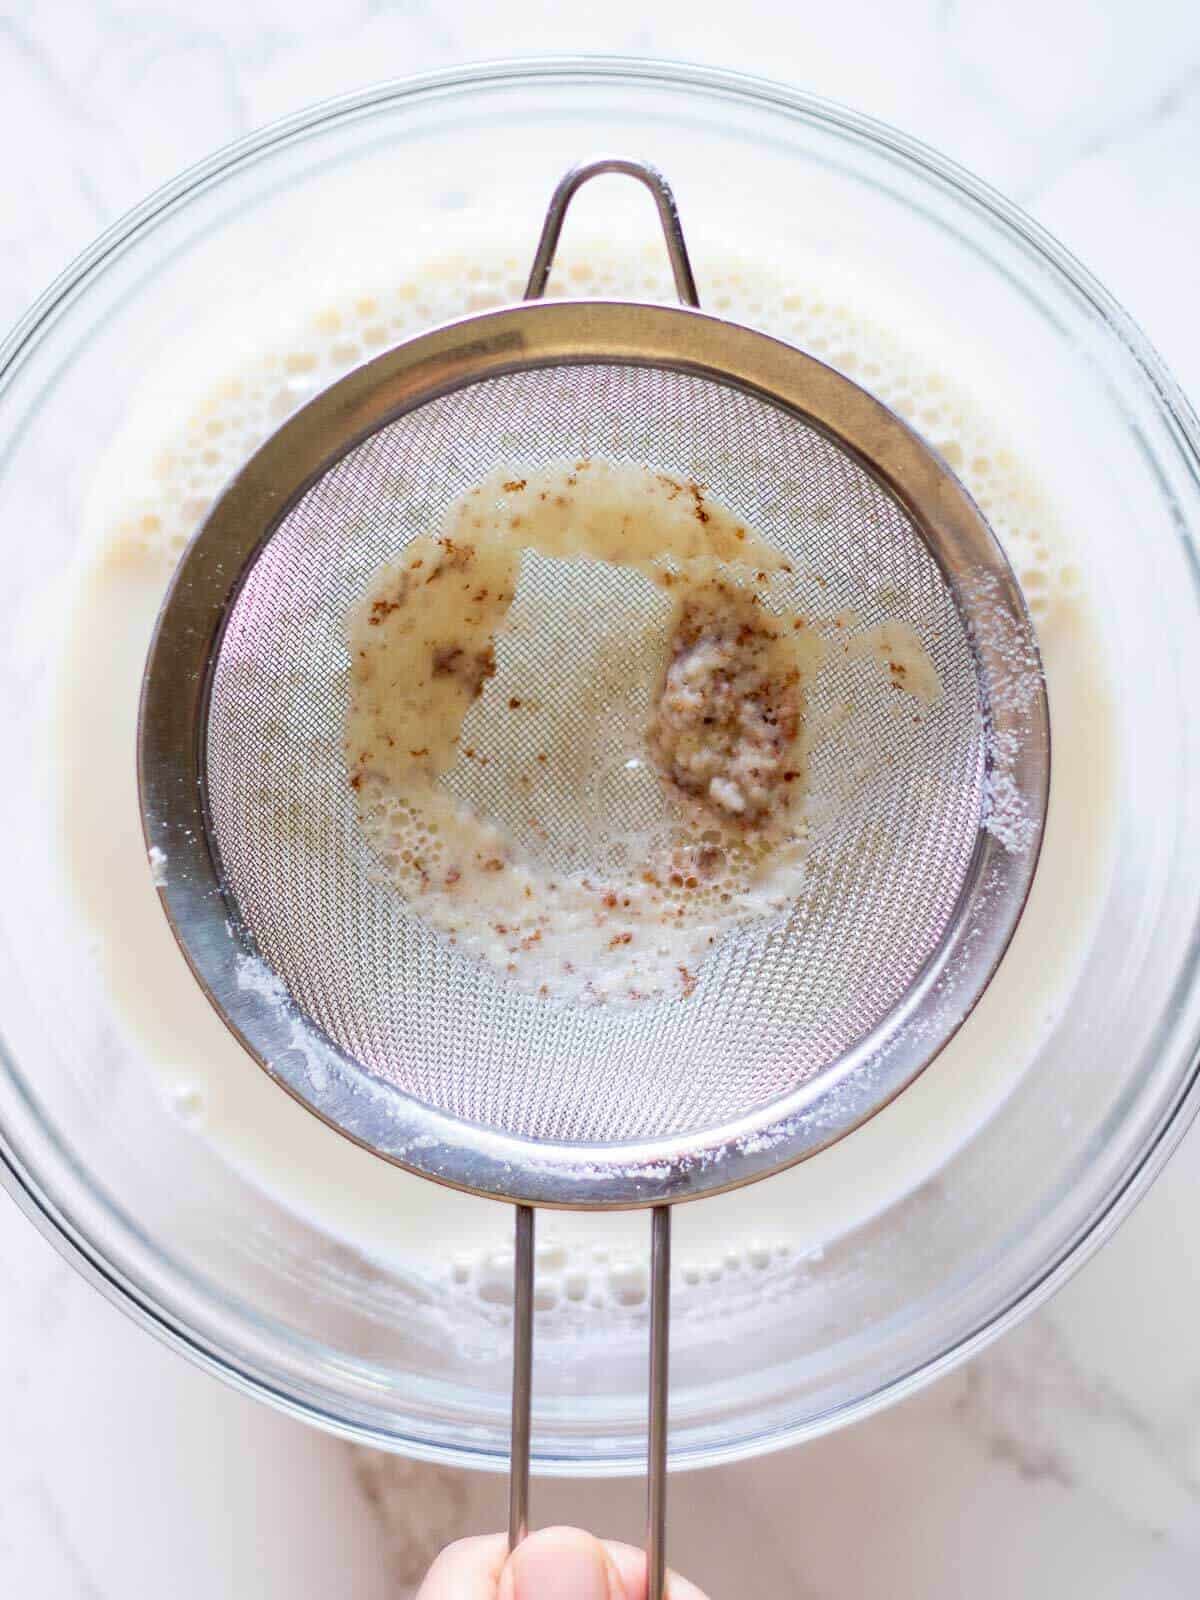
(668, 216)
(522, 1380)
(656, 1467)
(656, 1453)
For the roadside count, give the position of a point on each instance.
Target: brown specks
(515, 485)
(618, 939)
(687, 982)
(472, 668)
(455, 555)
(447, 660)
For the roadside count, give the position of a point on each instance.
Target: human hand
(551, 1564)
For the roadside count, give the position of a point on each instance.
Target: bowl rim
(19, 1177)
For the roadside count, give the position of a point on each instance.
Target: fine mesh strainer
(925, 829)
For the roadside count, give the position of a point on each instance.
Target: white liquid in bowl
(180, 445)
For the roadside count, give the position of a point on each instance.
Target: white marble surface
(1063, 1462)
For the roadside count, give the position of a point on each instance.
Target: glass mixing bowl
(291, 1313)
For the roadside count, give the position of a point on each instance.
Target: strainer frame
(173, 719)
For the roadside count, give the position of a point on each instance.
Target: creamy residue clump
(457, 741)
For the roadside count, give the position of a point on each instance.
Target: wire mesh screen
(894, 796)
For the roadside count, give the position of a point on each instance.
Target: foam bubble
(188, 1103)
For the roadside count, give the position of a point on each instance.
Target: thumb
(560, 1564)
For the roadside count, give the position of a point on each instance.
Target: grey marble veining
(1065, 1461)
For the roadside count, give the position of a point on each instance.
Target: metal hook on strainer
(798, 1032)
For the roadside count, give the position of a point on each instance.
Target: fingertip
(466, 1570)
(552, 1564)
(630, 1565)
(561, 1564)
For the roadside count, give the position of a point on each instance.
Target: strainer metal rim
(171, 757)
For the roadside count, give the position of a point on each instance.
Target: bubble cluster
(239, 412)
(590, 1291)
